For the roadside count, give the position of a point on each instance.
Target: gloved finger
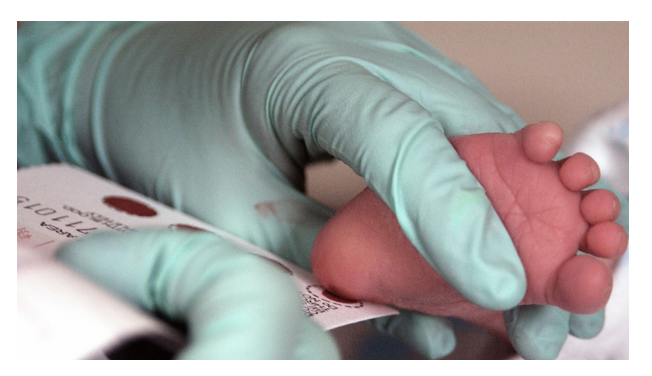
(430, 336)
(537, 332)
(404, 156)
(586, 326)
(236, 305)
(333, 104)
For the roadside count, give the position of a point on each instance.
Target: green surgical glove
(220, 119)
(236, 305)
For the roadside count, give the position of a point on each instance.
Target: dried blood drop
(129, 206)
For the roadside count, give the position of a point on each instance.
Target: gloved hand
(236, 305)
(220, 119)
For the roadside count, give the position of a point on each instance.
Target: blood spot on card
(337, 298)
(129, 205)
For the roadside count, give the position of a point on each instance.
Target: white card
(60, 203)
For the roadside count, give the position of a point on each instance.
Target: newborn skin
(363, 254)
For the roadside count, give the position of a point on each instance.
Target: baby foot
(362, 253)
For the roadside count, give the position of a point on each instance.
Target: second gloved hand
(235, 305)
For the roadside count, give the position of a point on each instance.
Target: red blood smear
(129, 206)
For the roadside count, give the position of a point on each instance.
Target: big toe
(583, 285)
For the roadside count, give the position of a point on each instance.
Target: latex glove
(219, 120)
(236, 305)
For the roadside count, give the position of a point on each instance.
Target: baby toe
(600, 205)
(579, 171)
(607, 240)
